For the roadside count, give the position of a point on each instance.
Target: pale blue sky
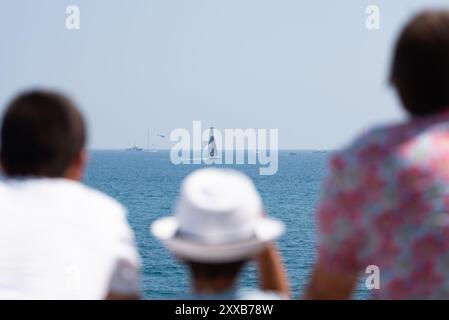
(310, 69)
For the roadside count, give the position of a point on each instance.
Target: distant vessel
(292, 153)
(319, 151)
(134, 148)
(212, 147)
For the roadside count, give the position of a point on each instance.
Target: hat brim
(265, 231)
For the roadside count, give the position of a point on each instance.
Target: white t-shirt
(62, 240)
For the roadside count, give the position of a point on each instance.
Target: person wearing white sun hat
(218, 226)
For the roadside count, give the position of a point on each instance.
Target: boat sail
(212, 148)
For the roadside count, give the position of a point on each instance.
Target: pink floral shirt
(386, 203)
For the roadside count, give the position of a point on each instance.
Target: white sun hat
(219, 218)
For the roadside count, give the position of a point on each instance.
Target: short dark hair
(215, 270)
(420, 68)
(42, 134)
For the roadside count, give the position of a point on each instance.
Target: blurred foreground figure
(386, 201)
(219, 226)
(58, 238)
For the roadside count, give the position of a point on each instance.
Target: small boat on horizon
(134, 148)
(292, 154)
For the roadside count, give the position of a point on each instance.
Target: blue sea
(147, 184)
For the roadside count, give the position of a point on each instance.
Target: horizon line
(165, 149)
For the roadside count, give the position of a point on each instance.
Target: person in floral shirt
(386, 199)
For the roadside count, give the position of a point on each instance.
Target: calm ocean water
(148, 184)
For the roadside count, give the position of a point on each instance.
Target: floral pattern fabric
(386, 203)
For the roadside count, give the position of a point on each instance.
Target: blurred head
(218, 225)
(227, 272)
(420, 69)
(218, 219)
(44, 135)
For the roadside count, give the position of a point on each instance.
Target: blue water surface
(147, 184)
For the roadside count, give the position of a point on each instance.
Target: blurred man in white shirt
(58, 238)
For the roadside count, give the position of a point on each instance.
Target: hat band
(225, 239)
